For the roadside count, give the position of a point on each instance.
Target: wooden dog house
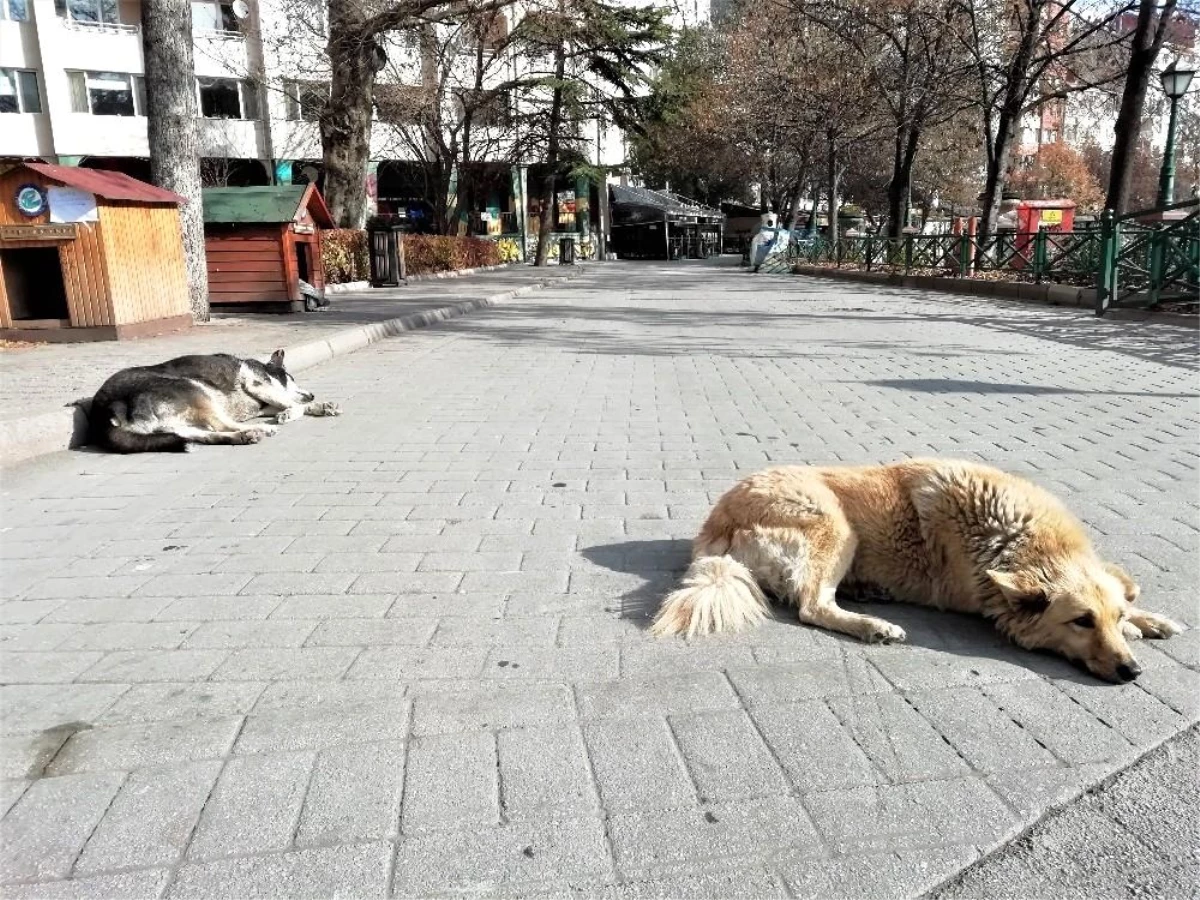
(262, 241)
(88, 255)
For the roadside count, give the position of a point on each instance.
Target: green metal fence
(1129, 261)
(1143, 265)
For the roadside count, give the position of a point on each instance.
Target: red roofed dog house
(261, 241)
(88, 255)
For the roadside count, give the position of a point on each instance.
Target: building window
(305, 100)
(89, 12)
(213, 15)
(14, 10)
(227, 98)
(107, 93)
(19, 91)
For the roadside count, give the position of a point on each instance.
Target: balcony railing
(101, 27)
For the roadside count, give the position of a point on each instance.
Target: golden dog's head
(1076, 609)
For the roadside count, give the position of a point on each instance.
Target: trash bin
(387, 255)
(566, 251)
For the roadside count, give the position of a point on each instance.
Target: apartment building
(72, 91)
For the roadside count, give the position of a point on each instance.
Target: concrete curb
(1019, 292)
(351, 286)
(64, 429)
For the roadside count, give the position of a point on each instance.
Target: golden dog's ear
(1132, 591)
(1022, 591)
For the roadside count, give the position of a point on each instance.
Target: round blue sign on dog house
(31, 200)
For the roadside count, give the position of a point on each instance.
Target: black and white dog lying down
(216, 399)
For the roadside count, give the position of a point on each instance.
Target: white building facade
(71, 91)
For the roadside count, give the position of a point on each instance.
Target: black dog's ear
(1132, 591)
(277, 358)
(1021, 591)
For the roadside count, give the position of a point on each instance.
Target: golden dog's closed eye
(1087, 620)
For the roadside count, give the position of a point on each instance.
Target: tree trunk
(1016, 90)
(346, 117)
(173, 129)
(1147, 41)
(794, 212)
(546, 219)
(833, 189)
(907, 142)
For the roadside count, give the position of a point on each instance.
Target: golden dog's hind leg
(813, 585)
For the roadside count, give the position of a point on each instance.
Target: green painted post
(1039, 255)
(1157, 264)
(870, 252)
(908, 253)
(1106, 275)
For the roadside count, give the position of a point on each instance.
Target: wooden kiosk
(88, 255)
(261, 241)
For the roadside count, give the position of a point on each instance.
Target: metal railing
(1143, 264)
(1131, 260)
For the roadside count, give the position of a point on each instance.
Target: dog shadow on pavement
(661, 563)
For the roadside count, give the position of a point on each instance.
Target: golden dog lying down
(942, 533)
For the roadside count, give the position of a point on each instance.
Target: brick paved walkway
(34, 380)
(404, 650)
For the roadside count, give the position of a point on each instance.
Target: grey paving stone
(451, 782)
(43, 833)
(36, 707)
(166, 701)
(579, 664)
(655, 696)
(486, 859)
(45, 668)
(664, 659)
(250, 633)
(10, 793)
(918, 668)
(1177, 687)
(880, 876)
(145, 744)
(312, 696)
(150, 819)
(198, 585)
(144, 884)
(326, 726)
(458, 632)
(1062, 726)
(35, 637)
(812, 746)
(414, 632)
(354, 795)
(475, 606)
(729, 884)
(255, 806)
(1141, 717)
(831, 677)
(369, 562)
(440, 710)
(286, 664)
(1032, 791)
(544, 771)
(910, 816)
(637, 764)
(739, 828)
(209, 609)
(135, 666)
(406, 582)
(71, 587)
(27, 611)
(987, 738)
(350, 871)
(108, 609)
(334, 606)
(417, 664)
(896, 738)
(26, 755)
(285, 584)
(130, 636)
(726, 756)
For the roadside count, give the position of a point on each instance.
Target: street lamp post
(1175, 83)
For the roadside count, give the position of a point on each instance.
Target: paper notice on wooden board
(68, 204)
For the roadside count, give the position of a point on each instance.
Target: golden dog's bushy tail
(718, 594)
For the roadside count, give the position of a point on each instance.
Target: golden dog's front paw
(1154, 626)
(880, 632)
(1130, 631)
